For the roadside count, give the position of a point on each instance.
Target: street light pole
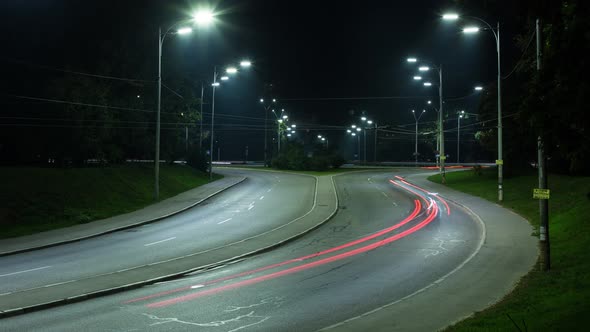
(159, 97)
(416, 144)
(215, 84)
(496, 33)
(441, 127)
(201, 122)
(459, 135)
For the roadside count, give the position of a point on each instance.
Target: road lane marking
(24, 271)
(250, 207)
(157, 242)
(197, 286)
(226, 220)
(384, 194)
(261, 197)
(268, 190)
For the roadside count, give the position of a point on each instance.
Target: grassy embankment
(543, 301)
(40, 199)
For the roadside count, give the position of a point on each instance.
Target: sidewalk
(324, 208)
(507, 254)
(149, 214)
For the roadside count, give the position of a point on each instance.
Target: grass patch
(558, 300)
(315, 173)
(41, 199)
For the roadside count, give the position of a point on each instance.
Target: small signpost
(541, 193)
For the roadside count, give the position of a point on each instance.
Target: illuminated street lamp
(441, 136)
(215, 84)
(496, 33)
(266, 108)
(202, 18)
(417, 118)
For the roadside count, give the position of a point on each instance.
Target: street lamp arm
(163, 36)
(486, 23)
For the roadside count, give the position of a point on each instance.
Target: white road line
(151, 244)
(268, 190)
(226, 220)
(250, 207)
(19, 272)
(384, 194)
(261, 197)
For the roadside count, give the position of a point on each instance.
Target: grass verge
(41, 199)
(558, 300)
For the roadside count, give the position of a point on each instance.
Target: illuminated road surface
(389, 240)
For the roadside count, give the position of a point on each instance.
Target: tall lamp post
(266, 108)
(461, 114)
(417, 118)
(200, 18)
(229, 71)
(440, 113)
(496, 33)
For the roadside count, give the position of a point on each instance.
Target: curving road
(389, 241)
(238, 213)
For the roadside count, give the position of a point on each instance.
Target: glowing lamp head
(412, 60)
(203, 17)
(184, 31)
(470, 30)
(427, 84)
(450, 16)
(231, 70)
(245, 63)
(478, 88)
(423, 68)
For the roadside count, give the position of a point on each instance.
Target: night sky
(327, 61)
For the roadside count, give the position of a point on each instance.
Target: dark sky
(311, 51)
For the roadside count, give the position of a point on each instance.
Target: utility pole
(543, 202)
(201, 122)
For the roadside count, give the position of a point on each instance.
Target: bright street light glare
(450, 16)
(412, 111)
(323, 138)
(280, 120)
(412, 60)
(245, 63)
(364, 118)
(261, 100)
(224, 78)
(358, 129)
(203, 17)
(215, 84)
(429, 102)
(231, 70)
(289, 135)
(353, 134)
(353, 126)
(285, 117)
(417, 78)
(274, 100)
(478, 88)
(320, 136)
(293, 126)
(184, 31)
(423, 111)
(370, 121)
(470, 30)
(427, 84)
(348, 131)
(423, 68)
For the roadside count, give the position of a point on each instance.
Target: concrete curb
(122, 228)
(113, 290)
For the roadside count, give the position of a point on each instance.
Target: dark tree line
(551, 102)
(72, 119)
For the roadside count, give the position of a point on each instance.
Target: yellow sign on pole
(443, 157)
(499, 162)
(541, 193)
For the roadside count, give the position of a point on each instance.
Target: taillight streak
(299, 268)
(412, 216)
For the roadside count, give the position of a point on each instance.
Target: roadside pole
(543, 201)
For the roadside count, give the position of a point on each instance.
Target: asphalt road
(238, 213)
(389, 240)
